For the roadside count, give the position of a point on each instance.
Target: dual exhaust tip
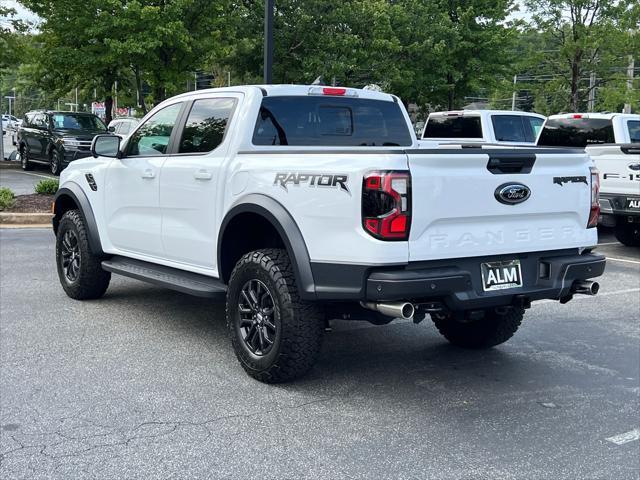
(406, 310)
(584, 287)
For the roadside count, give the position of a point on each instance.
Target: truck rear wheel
(493, 329)
(79, 269)
(275, 335)
(628, 234)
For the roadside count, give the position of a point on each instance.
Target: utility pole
(513, 98)
(1, 130)
(268, 41)
(228, 79)
(591, 104)
(627, 106)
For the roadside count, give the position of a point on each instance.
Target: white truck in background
(613, 142)
(500, 127)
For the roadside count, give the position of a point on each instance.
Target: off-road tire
(628, 234)
(495, 328)
(92, 281)
(24, 159)
(55, 162)
(299, 324)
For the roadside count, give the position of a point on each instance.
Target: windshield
(576, 132)
(74, 121)
(457, 126)
(634, 131)
(330, 121)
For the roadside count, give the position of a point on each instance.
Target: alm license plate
(633, 203)
(501, 275)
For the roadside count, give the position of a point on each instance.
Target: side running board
(185, 282)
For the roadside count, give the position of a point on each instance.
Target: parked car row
(9, 122)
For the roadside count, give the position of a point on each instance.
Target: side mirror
(111, 129)
(106, 146)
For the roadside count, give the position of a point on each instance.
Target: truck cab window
(206, 124)
(152, 138)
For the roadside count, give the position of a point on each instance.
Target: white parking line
(625, 437)
(38, 175)
(623, 260)
(585, 297)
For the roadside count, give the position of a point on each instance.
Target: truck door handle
(148, 173)
(202, 175)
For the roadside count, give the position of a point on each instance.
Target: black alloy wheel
(70, 256)
(257, 324)
(54, 163)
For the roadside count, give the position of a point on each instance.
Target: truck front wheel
(493, 329)
(275, 335)
(79, 269)
(628, 234)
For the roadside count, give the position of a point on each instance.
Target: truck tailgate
(457, 210)
(619, 167)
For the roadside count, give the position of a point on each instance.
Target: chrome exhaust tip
(404, 310)
(585, 287)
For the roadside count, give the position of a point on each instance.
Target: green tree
(12, 32)
(95, 43)
(581, 37)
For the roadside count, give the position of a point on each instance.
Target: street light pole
(268, 41)
(2, 132)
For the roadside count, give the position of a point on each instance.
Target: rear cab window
(634, 130)
(453, 126)
(576, 132)
(516, 128)
(331, 122)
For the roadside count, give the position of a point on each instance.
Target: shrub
(7, 198)
(47, 187)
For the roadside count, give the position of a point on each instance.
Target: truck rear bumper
(620, 205)
(457, 283)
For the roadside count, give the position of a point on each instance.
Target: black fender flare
(79, 197)
(288, 230)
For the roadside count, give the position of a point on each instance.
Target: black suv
(57, 138)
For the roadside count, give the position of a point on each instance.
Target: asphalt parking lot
(21, 183)
(144, 384)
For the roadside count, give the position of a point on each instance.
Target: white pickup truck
(613, 142)
(499, 127)
(301, 204)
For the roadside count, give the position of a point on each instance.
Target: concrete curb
(25, 219)
(9, 164)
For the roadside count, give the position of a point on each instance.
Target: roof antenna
(318, 81)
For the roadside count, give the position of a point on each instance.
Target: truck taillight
(386, 205)
(594, 212)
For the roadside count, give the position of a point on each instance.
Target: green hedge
(7, 198)
(47, 187)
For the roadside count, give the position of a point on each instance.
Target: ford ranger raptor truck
(613, 142)
(301, 204)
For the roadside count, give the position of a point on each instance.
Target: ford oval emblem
(634, 166)
(512, 193)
